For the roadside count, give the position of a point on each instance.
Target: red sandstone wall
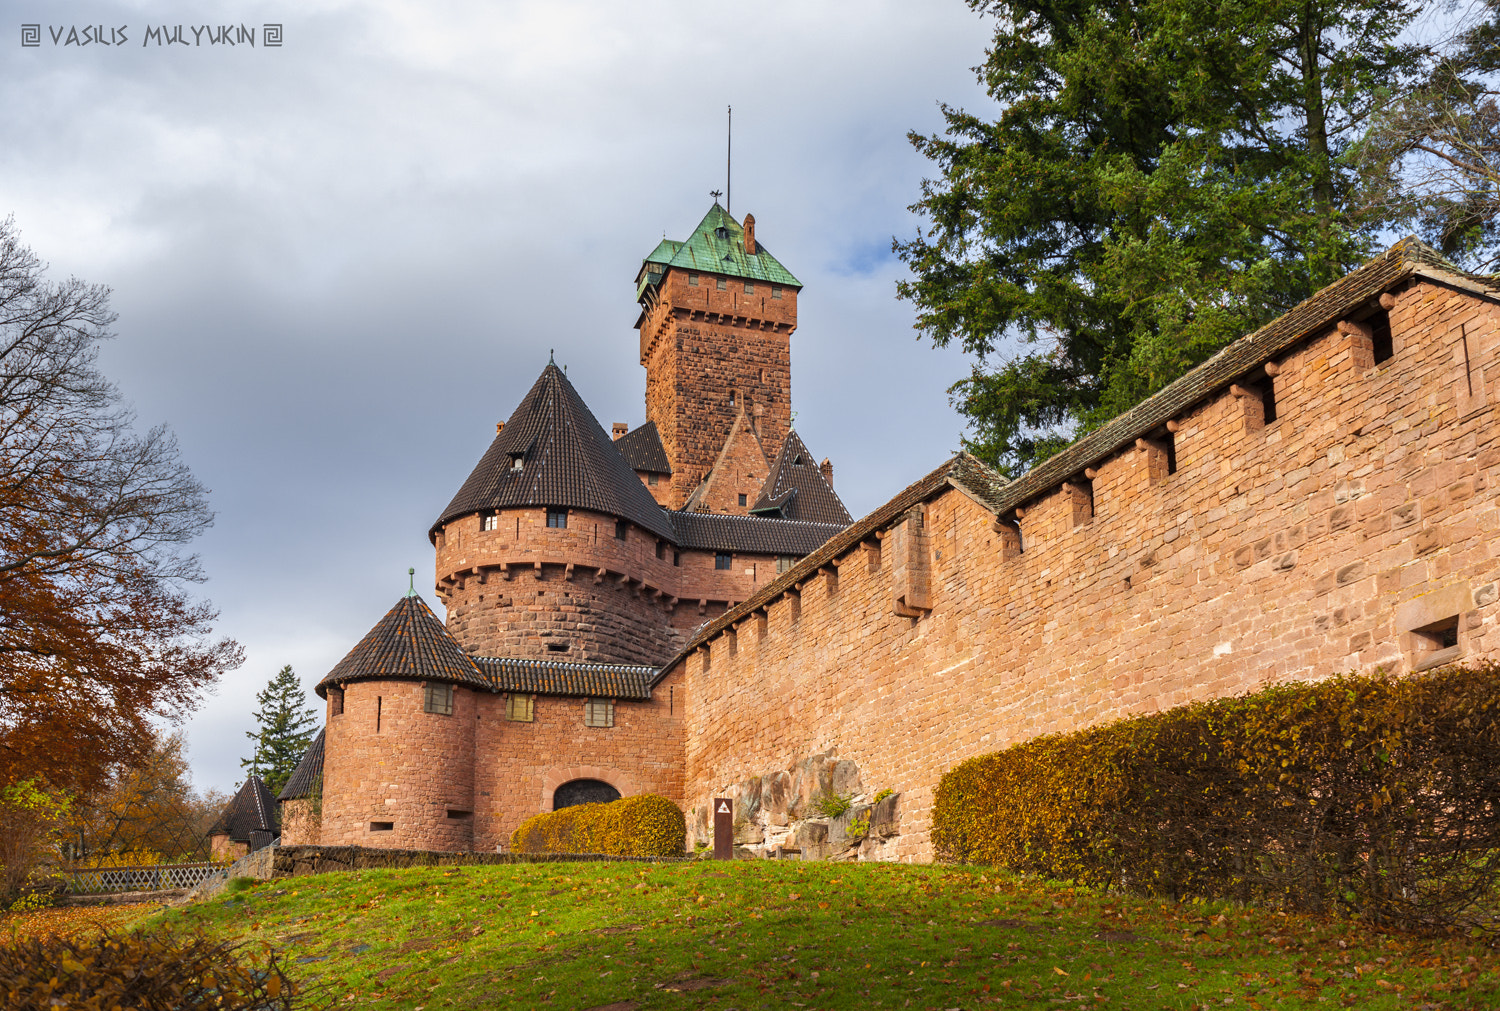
(608, 600)
(301, 822)
(411, 771)
(1308, 547)
(698, 344)
(519, 765)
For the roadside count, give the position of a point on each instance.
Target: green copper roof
(717, 246)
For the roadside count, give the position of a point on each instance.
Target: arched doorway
(583, 791)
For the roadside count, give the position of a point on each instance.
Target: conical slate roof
(796, 489)
(409, 642)
(253, 809)
(717, 246)
(566, 459)
(304, 780)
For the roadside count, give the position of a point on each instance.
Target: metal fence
(139, 879)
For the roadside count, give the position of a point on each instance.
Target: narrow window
(520, 708)
(620, 527)
(731, 398)
(489, 522)
(1435, 644)
(459, 815)
(378, 700)
(1380, 332)
(382, 826)
(722, 284)
(785, 562)
(438, 699)
(1171, 444)
(693, 278)
(749, 288)
(336, 702)
(1081, 497)
(775, 291)
(676, 558)
(599, 713)
(661, 549)
(651, 480)
(557, 647)
(742, 499)
(723, 560)
(557, 518)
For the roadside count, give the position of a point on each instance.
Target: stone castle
(688, 609)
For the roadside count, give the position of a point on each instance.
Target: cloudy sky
(339, 262)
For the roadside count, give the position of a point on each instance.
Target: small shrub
(32, 901)
(642, 826)
(831, 805)
(151, 972)
(883, 794)
(859, 827)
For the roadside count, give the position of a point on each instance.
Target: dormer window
(517, 461)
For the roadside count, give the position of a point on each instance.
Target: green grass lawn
(762, 934)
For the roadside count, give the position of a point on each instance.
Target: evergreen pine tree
(286, 727)
(1162, 177)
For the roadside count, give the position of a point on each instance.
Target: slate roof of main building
(717, 246)
(409, 643)
(306, 777)
(253, 809)
(1351, 295)
(545, 677)
(567, 460)
(642, 450)
(797, 490)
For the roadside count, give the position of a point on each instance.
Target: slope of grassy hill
(780, 934)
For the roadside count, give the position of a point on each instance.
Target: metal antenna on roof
(729, 164)
(411, 576)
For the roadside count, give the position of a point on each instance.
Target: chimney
(750, 234)
(620, 428)
(499, 427)
(826, 468)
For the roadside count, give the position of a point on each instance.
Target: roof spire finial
(411, 577)
(550, 359)
(716, 194)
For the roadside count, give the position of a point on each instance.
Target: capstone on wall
(1359, 530)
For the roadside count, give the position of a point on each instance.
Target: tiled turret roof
(796, 489)
(408, 643)
(565, 459)
(253, 809)
(306, 777)
(642, 449)
(716, 246)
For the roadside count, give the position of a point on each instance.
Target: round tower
(554, 549)
(398, 750)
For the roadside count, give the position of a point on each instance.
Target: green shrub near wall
(1375, 795)
(640, 826)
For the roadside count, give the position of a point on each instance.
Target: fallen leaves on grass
(71, 921)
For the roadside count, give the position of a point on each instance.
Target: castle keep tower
(717, 315)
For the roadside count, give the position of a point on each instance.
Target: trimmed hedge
(640, 826)
(1373, 795)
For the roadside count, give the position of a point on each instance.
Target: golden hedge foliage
(150, 972)
(640, 826)
(1378, 795)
